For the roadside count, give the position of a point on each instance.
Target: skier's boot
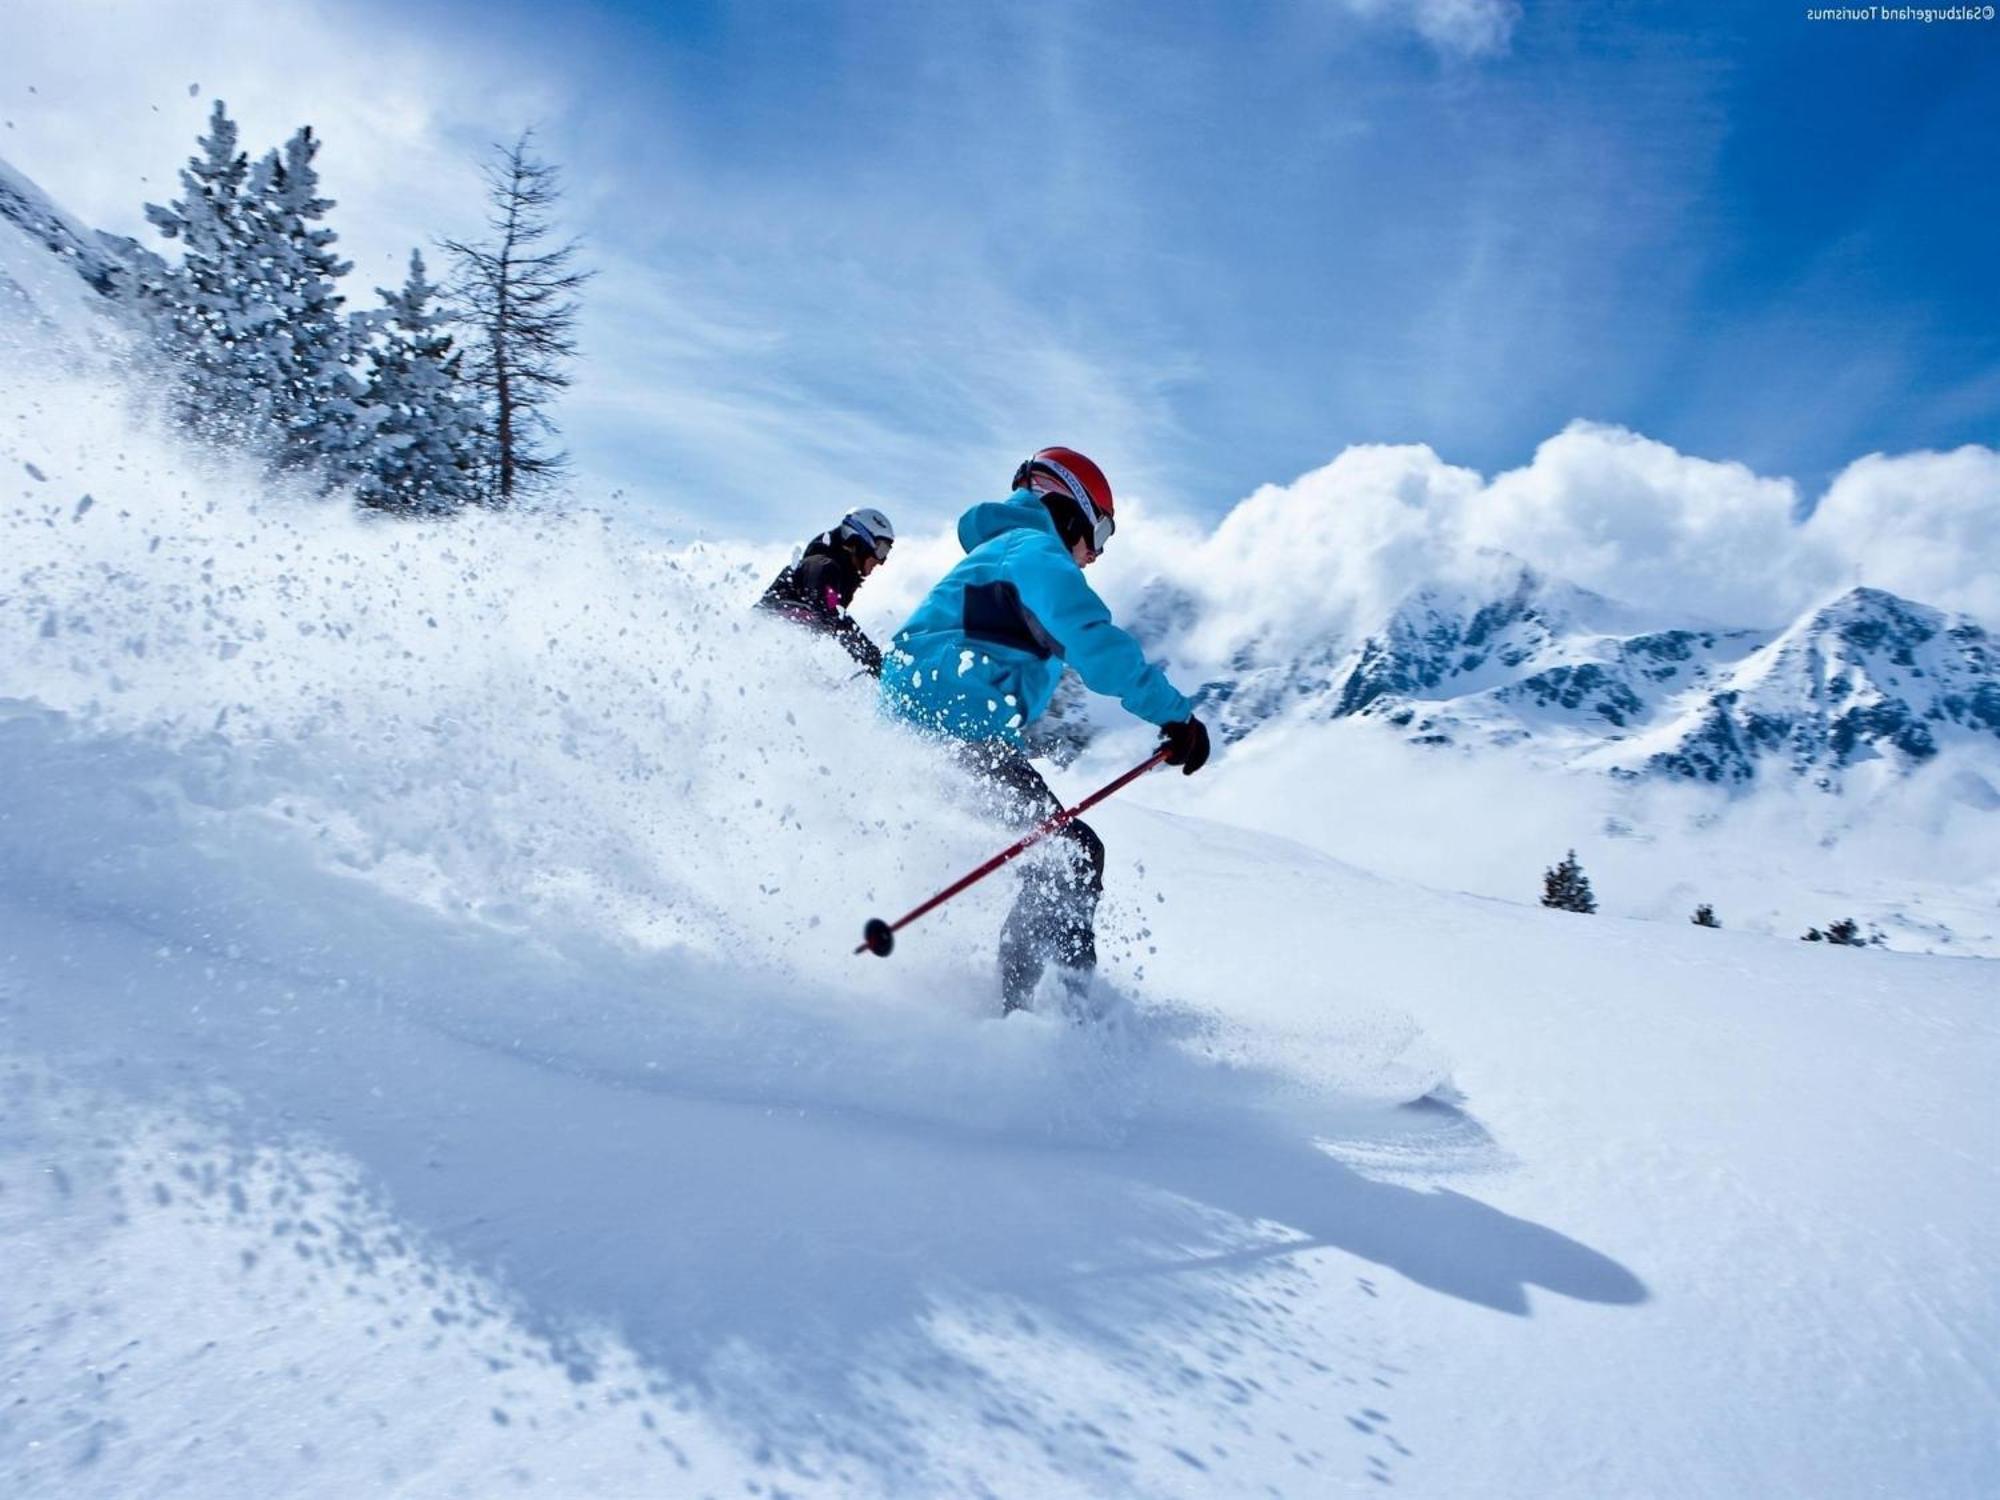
(1081, 1004)
(1052, 922)
(1017, 987)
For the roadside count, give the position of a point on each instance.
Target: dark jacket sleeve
(818, 581)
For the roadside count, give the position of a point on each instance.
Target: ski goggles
(1101, 527)
(878, 545)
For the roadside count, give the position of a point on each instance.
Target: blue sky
(1217, 244)
(887, 248)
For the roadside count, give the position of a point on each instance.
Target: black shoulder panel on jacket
(994, 612)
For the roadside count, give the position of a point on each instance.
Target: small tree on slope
(1567, 888)
(424, 450)
(1845, 933)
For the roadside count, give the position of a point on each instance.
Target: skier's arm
(858, 646)
(829, 616)
(1107, 659)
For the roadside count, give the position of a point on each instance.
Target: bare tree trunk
(519, 303)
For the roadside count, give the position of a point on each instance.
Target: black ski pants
(1054, 919)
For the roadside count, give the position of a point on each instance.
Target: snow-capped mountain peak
(1867, 676)
(1441, 641)
(1521, 659)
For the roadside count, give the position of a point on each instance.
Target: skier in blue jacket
(980, 660)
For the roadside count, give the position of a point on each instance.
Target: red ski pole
(879, 937)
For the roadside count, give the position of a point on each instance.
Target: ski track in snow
(431, 1062)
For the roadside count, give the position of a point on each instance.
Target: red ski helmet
(1064, 471)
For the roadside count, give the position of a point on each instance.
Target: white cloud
(1636, 519)
(1926, 525)
(1681, 538)
(1337, 546)
(1457, 28)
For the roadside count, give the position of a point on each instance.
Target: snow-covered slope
(432, 1062)
(449, 1215)
(55, 274)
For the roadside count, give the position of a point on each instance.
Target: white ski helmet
(871, 528)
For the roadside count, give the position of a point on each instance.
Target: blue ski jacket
(983, 653)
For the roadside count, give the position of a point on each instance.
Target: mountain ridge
(1535, 662)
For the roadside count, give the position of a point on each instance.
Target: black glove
(1187, 744)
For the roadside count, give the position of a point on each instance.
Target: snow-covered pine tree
(309, 347)
(1704, 916)
(262, 356)
(517, 302)
(1567, 888)
(204, 312)
(425, 447)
